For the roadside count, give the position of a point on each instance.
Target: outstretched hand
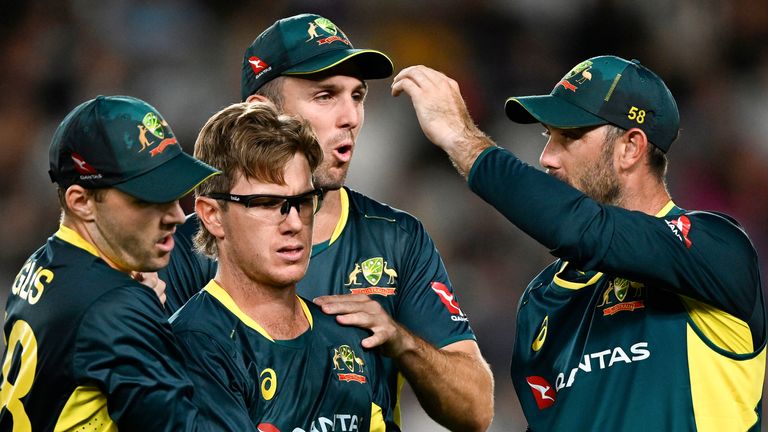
(442, 114)
(359, 310)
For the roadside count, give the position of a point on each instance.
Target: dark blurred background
(184, 57)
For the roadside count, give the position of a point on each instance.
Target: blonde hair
(254, 140)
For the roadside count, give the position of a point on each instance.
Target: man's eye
(306, 201)
(573, 134)
(265, 203)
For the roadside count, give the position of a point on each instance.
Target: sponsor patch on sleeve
(680, 228)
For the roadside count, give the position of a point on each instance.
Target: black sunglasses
(308, 200)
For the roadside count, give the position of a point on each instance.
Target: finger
(336, 308)
(358, 319)
(137, 276)
(376, 339)
(328, 299)
(405, 72)
(406, 85)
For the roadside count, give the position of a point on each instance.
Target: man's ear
(633, 148)
(81, 202)
(210, 213)
(257, 98)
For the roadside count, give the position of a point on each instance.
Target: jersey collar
(72, 237)
(342, 218)
(215, 290)
(667, 209)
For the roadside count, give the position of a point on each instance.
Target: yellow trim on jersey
(666, 209)
(574, 285)
(342, 218)
(307, 313)
(220, 294)
(721, 328)
(724, 391)
(71, 236)
(86, 410)
(377, 419)
(396, 415)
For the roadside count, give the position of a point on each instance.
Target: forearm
(455, 388)
(547, 209)
(464, 150)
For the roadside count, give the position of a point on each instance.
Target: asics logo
(542, 336)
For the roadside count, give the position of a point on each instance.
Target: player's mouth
(291, 253)
(166, 243)
(343, 152)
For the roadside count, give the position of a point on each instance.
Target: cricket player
(88, 347)
(379, 263)
(271, 360)
(652, 317)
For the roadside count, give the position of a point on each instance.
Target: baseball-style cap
(601, 90)
(305, 44)
(123, 142)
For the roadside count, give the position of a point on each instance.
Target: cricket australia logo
(621, 288)
(153, 125)
(348, 366)
(581, 74)
(373, 271)
(334, 34)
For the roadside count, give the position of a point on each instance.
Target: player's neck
(328, 217)
(276, 309)
(648, 197)
(82, 229)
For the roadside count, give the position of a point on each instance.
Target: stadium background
(184, 58)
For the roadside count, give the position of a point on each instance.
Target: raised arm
(442, 114)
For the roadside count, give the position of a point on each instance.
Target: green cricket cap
(123, 142)
(602, 90)
(302, 45)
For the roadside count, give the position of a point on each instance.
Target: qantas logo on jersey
(373, 271)
(603, 360)
(348, 366)
(336, 423)
(449, 300)
(542, 390)
(680, 228)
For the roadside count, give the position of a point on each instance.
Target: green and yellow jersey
(643, 323)
(374, 250)
(88, 348)
(320, 381)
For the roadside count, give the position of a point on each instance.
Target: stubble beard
(327, 176)
(599, 180)
(324, 179)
